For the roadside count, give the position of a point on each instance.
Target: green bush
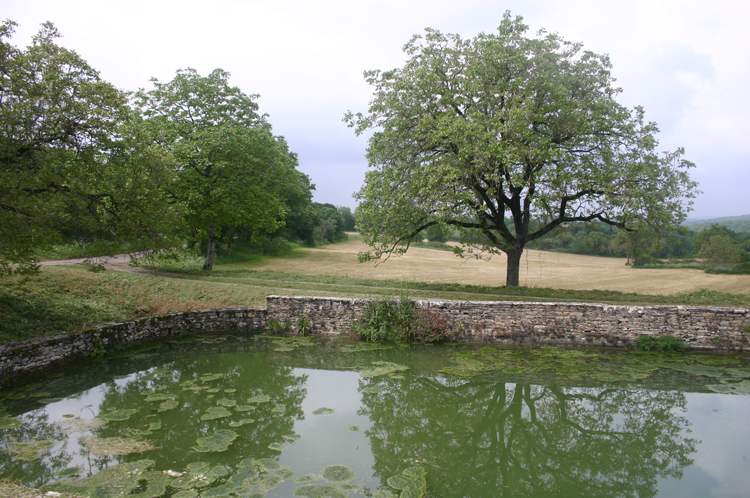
(661, 344)
(386, 320)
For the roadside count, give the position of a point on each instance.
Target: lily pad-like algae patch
(593, 366)
(117, 415)
(116, 445)
(216, 442)
(379, 368)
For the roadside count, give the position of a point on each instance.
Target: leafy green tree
(232, 172)
(346, 212)
(501, 127)
(330, 228)
(71, 155)
(720, 251)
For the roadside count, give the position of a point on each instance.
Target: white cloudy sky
(686, 61)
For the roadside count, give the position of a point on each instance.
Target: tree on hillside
(471, 133)
(720, 251)
(232, 172)
(70, 155)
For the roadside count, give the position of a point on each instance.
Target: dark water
(476, 421)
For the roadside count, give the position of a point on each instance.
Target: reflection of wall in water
(566, 324)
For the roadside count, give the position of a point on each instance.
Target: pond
(278, 417)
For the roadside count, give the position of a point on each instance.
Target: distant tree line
(191, 162)
(717, 248)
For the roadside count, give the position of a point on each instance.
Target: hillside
(736, 223)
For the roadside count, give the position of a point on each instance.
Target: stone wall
(44, 353)
(565, 324)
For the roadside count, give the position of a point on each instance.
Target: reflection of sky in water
(325, 440)
(721, 466)
(720, 423)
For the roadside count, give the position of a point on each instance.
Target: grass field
(538, 269)
(62, 298)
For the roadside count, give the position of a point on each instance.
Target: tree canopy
(70, 154)
(502, 127)
(232, 172)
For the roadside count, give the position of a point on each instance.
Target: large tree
(232, 172)
(71, 155)
(512, 137)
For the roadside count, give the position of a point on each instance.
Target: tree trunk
(514, 266)
(211, 254)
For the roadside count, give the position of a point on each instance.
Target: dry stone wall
(44, 353)
(565, 324)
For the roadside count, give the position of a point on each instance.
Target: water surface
(254, 416)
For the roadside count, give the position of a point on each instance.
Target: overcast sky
(686, 62)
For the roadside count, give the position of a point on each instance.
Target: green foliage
(73, 157)
(660, 344)
(303, 325)
(232, 173)
(719, 251)
(349, 222)
(475, 132)
(386, 320)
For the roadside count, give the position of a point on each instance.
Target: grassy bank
(66, 298)
(63, 298)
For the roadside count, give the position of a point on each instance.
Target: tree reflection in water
(495, 439)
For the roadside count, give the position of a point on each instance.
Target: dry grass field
(539, 269)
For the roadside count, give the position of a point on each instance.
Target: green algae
(245, 408)
(285, 473)
(117, 445)
(283, 349)
(379, 368)
(364, 346)
(269, 482)
(240, 423)
(186, 493)
(8, 422)
(338, 473)
(215, 412)
(211, 376)
(731, 388)
(411, 482)
(198, 468)
(384, 493)
(323, 411)
(229, 403)
(320, 491)
(259, 398)
(305, 478)
(276, 446)
(216, 442)
(73, 425)
(118, 415)
(230, 391)
(352, 428)
(40, 395)
(70, 472)
(170, 404)
(291, 437)
(268, 464)
(28, 451)
(372, 389)
(119, 480)
(278, 408)
(158, 398)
